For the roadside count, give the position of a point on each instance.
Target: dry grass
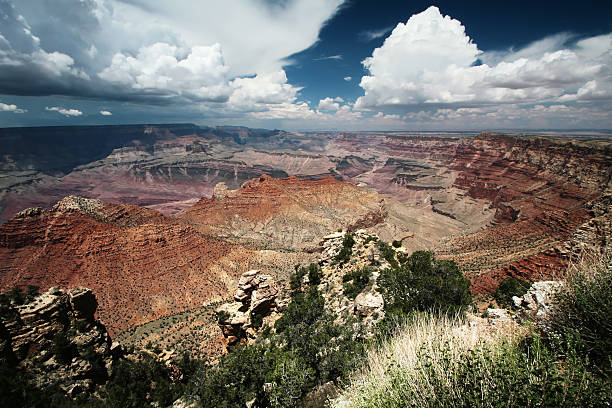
(439, 338)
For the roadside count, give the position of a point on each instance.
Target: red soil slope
(541, 189)
(140, 264)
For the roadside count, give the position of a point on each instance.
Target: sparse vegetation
(307, 349)
(222, 316)
(508, 288)
(347, 248)
(430, 363)
(314, 274)
(387, 253)
(582, 319)
(422, 283)
(355, 282)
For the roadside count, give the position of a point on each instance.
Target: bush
(141, 383)
(295, 280)
(582, 316)
(307, 349)
(304, 310)
(314, 274)
(508, 288)
(387, 253)
(222, 316)
(347, 248)
(429, 364)
(425, 284)
(354, 282)
(396, 244)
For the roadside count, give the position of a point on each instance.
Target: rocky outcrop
(368, 304)
(140, 264)
(256, 303)
(57, 341)
(538, 301)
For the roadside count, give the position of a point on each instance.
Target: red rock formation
(285, 213)
(143, 265)
(140, 264)
(540, 188)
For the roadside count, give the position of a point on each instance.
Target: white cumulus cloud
(330, 104)
(348, 78)
(106, 113)
(253, 93)
(200, 73)
(11, 108)
(64, 111)
(431, 60)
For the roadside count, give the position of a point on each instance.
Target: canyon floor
(161, 221)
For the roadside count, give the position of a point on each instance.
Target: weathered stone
(256, 295)
(83, 302)
(498, 314)
(368, 303)
(538, 300)
(31, 332)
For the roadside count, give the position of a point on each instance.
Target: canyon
(175, 214)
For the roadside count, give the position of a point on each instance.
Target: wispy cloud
(331, 57)
(64, 111)
(348, 78)
(370, 35)
(11, 108)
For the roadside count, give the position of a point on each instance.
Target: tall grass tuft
(583, 316)
(438, 362)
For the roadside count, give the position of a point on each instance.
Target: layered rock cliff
(56, 341)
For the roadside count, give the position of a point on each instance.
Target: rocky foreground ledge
(57, 341)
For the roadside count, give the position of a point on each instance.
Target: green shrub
(314, 274)
(256, 320)
(141, 383)
(347, 248)
(369, 239)
(295, 280)
(239, 377)
(354, 282)
(222, 316)
(583, 314)
(289, 379)
(396, 244)
(387, 253)
(425, 284)
(304, 309)
(508, 288)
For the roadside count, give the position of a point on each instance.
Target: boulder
(368, 303)
(255, 299)
(57, 341)
(83, 302)
(538, 300)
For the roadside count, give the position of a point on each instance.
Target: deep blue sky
(72, 68)
(493, 25)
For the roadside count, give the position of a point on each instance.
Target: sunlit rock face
(175, 214)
